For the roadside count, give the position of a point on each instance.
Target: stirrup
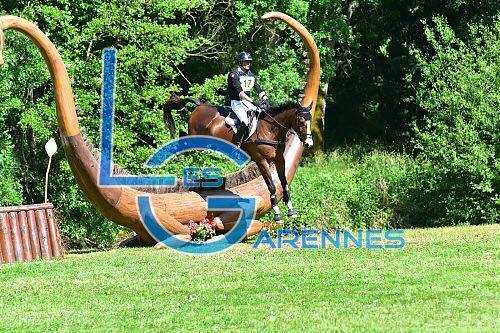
(239, 136)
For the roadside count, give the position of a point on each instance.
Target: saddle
(233, 121)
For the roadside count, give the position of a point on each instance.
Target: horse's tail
(175, 103)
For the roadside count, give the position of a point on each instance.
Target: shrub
(10, 188)
(457, 140)
(350, 188)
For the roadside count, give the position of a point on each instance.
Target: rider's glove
(258, 104)
(268, 103)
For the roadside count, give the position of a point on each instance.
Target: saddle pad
(253, 126)
(233, 121)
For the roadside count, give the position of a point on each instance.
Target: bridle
(306, 114)
(301, 112)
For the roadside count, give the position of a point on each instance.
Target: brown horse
(265, 146)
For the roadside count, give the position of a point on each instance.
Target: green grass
(444, 280)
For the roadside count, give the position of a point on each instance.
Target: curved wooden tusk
(2, 43)
(311, 90)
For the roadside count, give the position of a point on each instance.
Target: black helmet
(243, 56)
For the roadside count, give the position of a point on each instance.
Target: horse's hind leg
(280, 168)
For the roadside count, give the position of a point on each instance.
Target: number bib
(247, 82)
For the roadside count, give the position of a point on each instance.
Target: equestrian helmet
(243, 56)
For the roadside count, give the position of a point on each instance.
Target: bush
(350, 188)
(457, 140)
(10, 188)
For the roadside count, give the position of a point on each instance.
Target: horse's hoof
(292, 214)
(278, 218)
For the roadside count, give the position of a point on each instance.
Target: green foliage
(278, 62)
(371, 97)
(152, 39)
(351, 188)
(10, 188)
(211, 91)
(287, 85)
(457, 139)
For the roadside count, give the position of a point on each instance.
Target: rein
(277, 122)
(269, 141)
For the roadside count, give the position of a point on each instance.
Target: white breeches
(241, 109)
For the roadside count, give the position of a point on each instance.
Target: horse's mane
(276, 109)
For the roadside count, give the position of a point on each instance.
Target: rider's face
(245, 65)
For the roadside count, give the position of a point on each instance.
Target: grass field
(444, 280)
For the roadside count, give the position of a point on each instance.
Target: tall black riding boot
(240, 134)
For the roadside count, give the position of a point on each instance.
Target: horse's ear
(302, 109)
(174, 96)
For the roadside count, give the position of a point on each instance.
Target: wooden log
(25, 235)
(16, 236)
(28, 235)
(254, 228)
(228, 220)
(55, 240)
(5, 239)
(1, 248)
(34, 239)
(43, 234)
(25, 208)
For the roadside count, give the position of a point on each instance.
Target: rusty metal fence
(29, 233)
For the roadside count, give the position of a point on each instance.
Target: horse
(265, 146)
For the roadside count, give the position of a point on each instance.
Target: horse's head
(304, 125)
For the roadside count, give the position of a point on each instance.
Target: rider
(240, 85)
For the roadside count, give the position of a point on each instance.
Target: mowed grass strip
(444, 280)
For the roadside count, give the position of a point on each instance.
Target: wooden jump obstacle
(172, 209)
(29, 233)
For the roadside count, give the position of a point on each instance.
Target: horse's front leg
(280, 168)
(265, 170)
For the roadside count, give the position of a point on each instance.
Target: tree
(457, 139)
(370, 97)
(153, 40)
